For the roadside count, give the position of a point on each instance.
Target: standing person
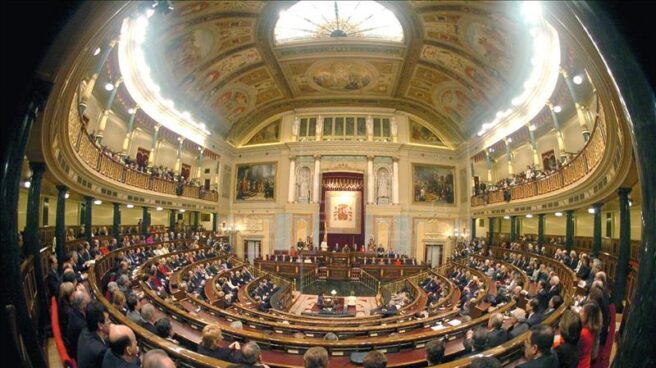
(591, 318)
(93, 341)
(566, 342)
(537, 348)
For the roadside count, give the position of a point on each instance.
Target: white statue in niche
(382, 178)
(304, 177)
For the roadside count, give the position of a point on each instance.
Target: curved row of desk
(402, 337)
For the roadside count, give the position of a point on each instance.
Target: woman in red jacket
(591, 320)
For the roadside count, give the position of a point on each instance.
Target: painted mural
(421, 134)
(268, 134)
(433, 184)
(341, 76)
(224, 67)
(490, 43)
(256, 182)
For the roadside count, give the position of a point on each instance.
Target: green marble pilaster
(491, 232)
(541, 229)
(87, 217)
(473, 228)
(60, 225)
(215, 221)
(569, 230)
(513, 228)
(172, 219)
(145, 222)
(622, 267)
(116, 224)
(32, 243)
(195, 224)
(596, 231)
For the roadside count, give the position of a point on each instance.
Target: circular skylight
(317, 20)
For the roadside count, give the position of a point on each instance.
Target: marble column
(569, 230)
(129, 133)
(370, 128)
(102, 123)
(295, 128)
(173, 214)
(60, 225)
(509, 156)
(145, 220)
(199, 171)
(370, 179)
(490, 240)
(316, 189)
(196, 218)
(395, 174)
(581, 109)
(87, 219)
(215, 221)
(534, 147)
(473, 228)
(291, 192)
(178, 156)
(541, 229)
(86, 92)
(319, 129)
(32, 243)
(17, 131)
(596, 231)
(394, 127)
(559, 134)
(488, 161)
(116, 224)
(622, 269)
(513, 228)
(151, 157)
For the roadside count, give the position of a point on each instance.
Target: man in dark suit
(76, 320)
(554, 288)
(542, 296)
(534, 315)
(475, 341)
(123, 349)
(148, 315)
(519, 325)
(497, 335)
(537, 348)
(93, 342)
(53, 277)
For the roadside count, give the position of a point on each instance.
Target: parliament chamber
(324, 184)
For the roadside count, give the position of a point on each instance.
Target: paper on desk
(454, 322)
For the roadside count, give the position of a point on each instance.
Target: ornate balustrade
(578, 167)
(92, 155)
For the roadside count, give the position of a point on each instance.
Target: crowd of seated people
(154, 171)
(463, 249)
(435, 291)
(262, 293)
(530, 174)
(396, 301)
(196, 277)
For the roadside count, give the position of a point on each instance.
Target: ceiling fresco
(457, 61)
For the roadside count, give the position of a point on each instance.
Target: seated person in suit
(321, 300)
(123, 349)
(148, 316)
(537, 348)
(210, 345)
(535, 316)
(475, 341)
(519, 325)
(351, 300)
(497, 335)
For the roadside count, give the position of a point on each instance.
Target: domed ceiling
(455, 63)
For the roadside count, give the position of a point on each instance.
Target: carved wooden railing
(582, 164)
(92, 155)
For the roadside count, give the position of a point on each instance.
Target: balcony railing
(582, 164)
(92, 155)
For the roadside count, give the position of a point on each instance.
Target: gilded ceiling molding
(264, 34)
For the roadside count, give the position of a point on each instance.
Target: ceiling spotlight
(491, 150)
(159, 208)
(528, 215)
(509, 140)
(66, 195)
(132, 110)
(109, 87)
(630, 203)
(202, 125)
(578, 79)
(506, 217)
(557, 109)
(96, 51)
(129, 205)
(182, 210)
(592, 210)
(150, 12)
(516, 101)
(532, 127)
(558, 214)
(97, 202)
(27, 184)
